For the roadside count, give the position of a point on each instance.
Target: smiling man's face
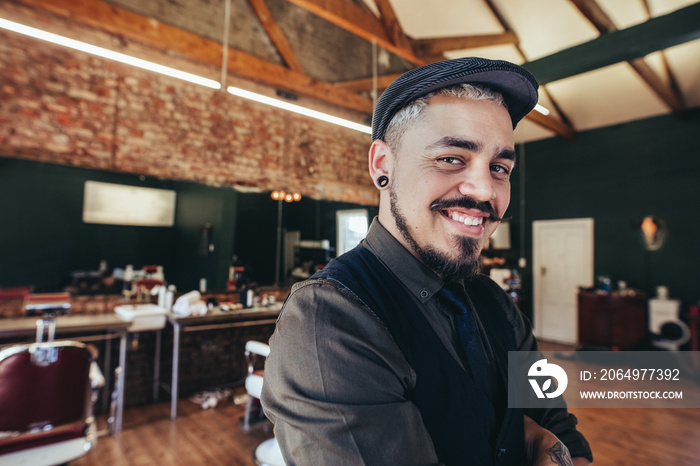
(451, 182)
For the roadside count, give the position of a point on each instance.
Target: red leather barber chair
(46, 398)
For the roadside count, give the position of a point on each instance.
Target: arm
(558, 421)
(545, 449)
(335, 385)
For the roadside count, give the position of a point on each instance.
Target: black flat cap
(518, 86)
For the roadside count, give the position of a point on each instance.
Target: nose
(478, 184)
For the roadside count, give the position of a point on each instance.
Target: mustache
(468, 203)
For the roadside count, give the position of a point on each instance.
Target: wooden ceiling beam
(366, 84)
(391, 24)
(552, 124)
(673, 82)
(669, 94)
(358, 21)
(432, 46)
(561, 127)
(665, 91)
(130, 25)
(595, 15)
(275, 34)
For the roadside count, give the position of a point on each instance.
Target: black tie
(469, 337)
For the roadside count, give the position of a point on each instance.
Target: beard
(464, 267)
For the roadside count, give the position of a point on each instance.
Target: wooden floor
(197, 437)
(618, 437)
(642, 437)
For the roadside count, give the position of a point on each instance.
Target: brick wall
(67, 107)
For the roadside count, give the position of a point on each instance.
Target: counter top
(64, 324)
(217, 315)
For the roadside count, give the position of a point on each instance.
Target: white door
(562, 261)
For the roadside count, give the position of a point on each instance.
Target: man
(396, 352)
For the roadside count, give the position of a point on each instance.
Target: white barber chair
(267, 453)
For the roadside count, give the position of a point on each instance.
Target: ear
(380, 159)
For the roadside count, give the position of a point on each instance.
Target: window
(351, 228)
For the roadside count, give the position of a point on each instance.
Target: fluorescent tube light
(298, 109)
(144, 64)
(99, 51)
(541, 109)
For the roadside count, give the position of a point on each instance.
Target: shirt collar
(412, 273)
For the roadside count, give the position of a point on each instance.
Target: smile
(462, 218)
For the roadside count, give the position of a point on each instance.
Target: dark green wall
(199, 205)
(256, 231)
(618, 175)
(43, 237)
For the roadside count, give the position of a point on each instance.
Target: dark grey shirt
(336, 383)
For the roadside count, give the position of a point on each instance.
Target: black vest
(462, 422)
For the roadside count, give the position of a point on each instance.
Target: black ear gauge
(382, 181)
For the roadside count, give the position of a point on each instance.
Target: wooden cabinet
(606, 320)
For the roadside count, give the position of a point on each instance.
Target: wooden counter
(607, 321)
(215, 319)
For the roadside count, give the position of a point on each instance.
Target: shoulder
(327, 305)
(324, 335)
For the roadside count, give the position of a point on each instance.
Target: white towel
(190, 304)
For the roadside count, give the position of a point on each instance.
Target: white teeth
(473, 221)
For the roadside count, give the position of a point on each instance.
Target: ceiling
(601, 97)
(602, 62)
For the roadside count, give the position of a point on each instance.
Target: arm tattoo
(559, 455)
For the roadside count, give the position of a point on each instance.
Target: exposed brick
(63, 119)
(29, 112)
(71, 108)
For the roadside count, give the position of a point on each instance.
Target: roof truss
(612, 46)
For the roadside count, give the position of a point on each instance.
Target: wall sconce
(653, 232)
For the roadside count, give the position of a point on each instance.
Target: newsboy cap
(518, 86)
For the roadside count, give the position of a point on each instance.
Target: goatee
(465, 267)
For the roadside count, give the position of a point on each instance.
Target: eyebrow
(460, 143)
(449, 141)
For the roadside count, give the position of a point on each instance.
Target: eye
(500, 170)
(451, 160)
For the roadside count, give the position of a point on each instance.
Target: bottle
(243, 297)
(170, 297)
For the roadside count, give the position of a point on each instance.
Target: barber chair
(267, 453)
(47, 390)
(46, 304)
